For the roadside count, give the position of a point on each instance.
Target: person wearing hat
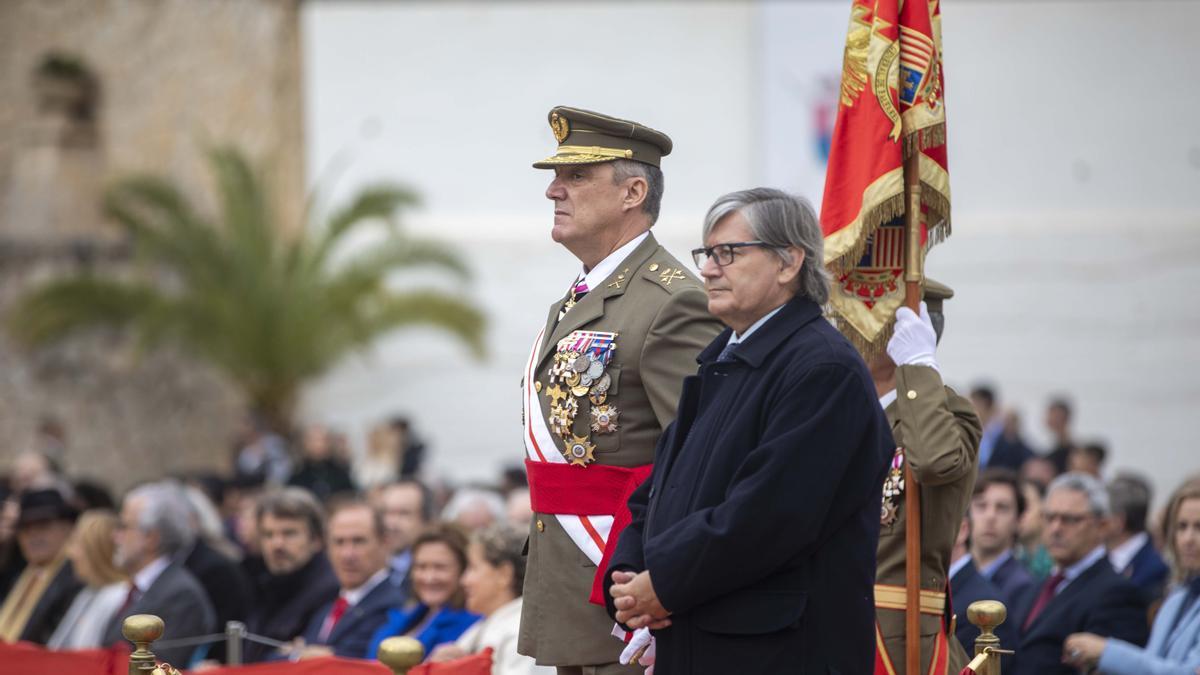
(937, 434)
(602, 380)
(45, 590)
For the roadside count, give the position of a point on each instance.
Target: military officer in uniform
(603, 378)
(937, 433)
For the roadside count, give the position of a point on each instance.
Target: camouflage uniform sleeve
(682, 328)
(940, 429)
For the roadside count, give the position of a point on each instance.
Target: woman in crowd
(1174, 646)
(495, 575)
(439, 557)
(90, 550)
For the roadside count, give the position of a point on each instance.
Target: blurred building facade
(94, 90)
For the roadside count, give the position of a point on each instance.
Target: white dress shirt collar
(600, 272)
(1078, 568)
(990, 570)
(355, 595)
(735, 339)
(1123, 555)
(145, 578)
(886, 399)
(961, 562)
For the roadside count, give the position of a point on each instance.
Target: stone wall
(172, 77)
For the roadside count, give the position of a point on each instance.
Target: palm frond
(271, 309)
(431, 308)
(63, 307)
(378, 202)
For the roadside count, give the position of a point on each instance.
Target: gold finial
(401, 653)
(141, 630)
(986, 615)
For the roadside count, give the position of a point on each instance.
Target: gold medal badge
(580, 451)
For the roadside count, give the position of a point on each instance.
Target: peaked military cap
(935, 293)
(586, 137)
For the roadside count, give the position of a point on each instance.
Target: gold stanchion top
(142, 628)
(401, 653)
(987, 614)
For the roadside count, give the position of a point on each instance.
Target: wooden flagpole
(914, 274)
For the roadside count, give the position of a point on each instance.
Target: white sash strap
(588, 532)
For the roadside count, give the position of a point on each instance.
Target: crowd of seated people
(320, 554)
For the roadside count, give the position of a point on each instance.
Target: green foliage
(270, 308)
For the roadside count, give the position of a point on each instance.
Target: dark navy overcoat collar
(794, 315)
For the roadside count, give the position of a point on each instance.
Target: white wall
(1075, 169)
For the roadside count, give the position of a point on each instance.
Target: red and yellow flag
(891, 107)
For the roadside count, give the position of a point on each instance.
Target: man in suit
(996, 509)
(1130, 549)
(407, 507)
(997, 447)
(602, 379)
(752, 546)
(223, 579)
(358, 551)
(47, 586)
(153, 530)
(967, 585)
(299, 581)
(1084, 594)
(937, 435)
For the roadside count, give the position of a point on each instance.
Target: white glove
(913, 340)
(642, 639)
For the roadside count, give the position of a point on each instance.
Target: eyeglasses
(1068, 519)
(724, 254)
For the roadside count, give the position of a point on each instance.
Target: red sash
(566, 489)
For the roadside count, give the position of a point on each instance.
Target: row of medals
(893, 488)
(574, 376)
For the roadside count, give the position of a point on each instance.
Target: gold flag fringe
(923, 139)
(938, 220)
(868, 349)
(883, 212)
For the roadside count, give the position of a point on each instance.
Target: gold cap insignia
(560, 126)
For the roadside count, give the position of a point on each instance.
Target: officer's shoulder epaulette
(669, 275)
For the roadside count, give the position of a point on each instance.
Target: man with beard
(299, 580)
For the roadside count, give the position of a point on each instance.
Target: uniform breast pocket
(605, 412)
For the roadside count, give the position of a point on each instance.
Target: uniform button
(537, 386)
(541, 526)
(912, 394)
(654, 267)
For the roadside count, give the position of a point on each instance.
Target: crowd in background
(319, 551)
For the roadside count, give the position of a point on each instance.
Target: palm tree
(271, 308)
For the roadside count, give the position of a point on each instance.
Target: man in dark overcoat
(752, 545)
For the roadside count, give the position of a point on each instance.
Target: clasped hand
(636, 602)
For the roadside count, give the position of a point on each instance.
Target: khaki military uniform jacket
(940, 433)
(660, 312)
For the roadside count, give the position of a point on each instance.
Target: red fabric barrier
(328, 665)
(476, 664)
(23, 657)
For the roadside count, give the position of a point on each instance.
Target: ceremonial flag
(891, 108)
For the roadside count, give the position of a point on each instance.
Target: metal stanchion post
(235, 632)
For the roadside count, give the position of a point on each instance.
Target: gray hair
(780, 220)
(1130, 496)
(503, 543)
(165, 510)
(629, 168)
(1089, 486)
